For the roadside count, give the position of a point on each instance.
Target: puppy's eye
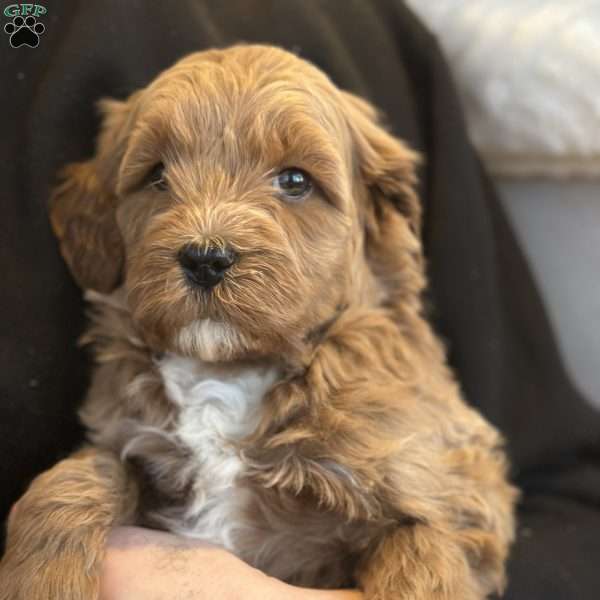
(156, 177)
(293, 184)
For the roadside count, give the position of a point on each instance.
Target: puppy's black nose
(205, 266)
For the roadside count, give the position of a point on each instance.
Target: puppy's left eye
(293, 184)
(156, 178)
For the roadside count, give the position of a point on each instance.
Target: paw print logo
(24, 32)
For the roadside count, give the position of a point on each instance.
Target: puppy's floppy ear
(391, 210)
(82, 207)
(386, 164)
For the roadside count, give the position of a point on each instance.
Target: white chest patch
(218, 407)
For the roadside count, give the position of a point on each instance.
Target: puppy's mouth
(219, 299)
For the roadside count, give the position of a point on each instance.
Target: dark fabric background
(483, 299)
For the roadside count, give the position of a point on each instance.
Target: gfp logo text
(22, 10)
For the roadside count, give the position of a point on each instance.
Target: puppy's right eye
(293, 184)
(156, 178)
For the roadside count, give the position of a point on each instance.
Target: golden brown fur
(365, 453)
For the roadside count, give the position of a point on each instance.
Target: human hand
(142, 564)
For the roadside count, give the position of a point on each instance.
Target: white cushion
(528, 72)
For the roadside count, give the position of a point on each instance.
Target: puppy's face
(239, 200)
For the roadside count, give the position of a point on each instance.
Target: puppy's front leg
(422, 562)
(378, 433)
(56, 536)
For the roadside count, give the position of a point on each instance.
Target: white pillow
(528, 72)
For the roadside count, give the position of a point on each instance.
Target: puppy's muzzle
(205, 266)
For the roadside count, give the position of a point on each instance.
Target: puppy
(265, 378)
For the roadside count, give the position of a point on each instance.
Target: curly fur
(301, 414)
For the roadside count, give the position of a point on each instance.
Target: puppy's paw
(48, 564)
(57, 531)
(41, 577)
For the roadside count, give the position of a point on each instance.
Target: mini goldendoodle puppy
(249, 238)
